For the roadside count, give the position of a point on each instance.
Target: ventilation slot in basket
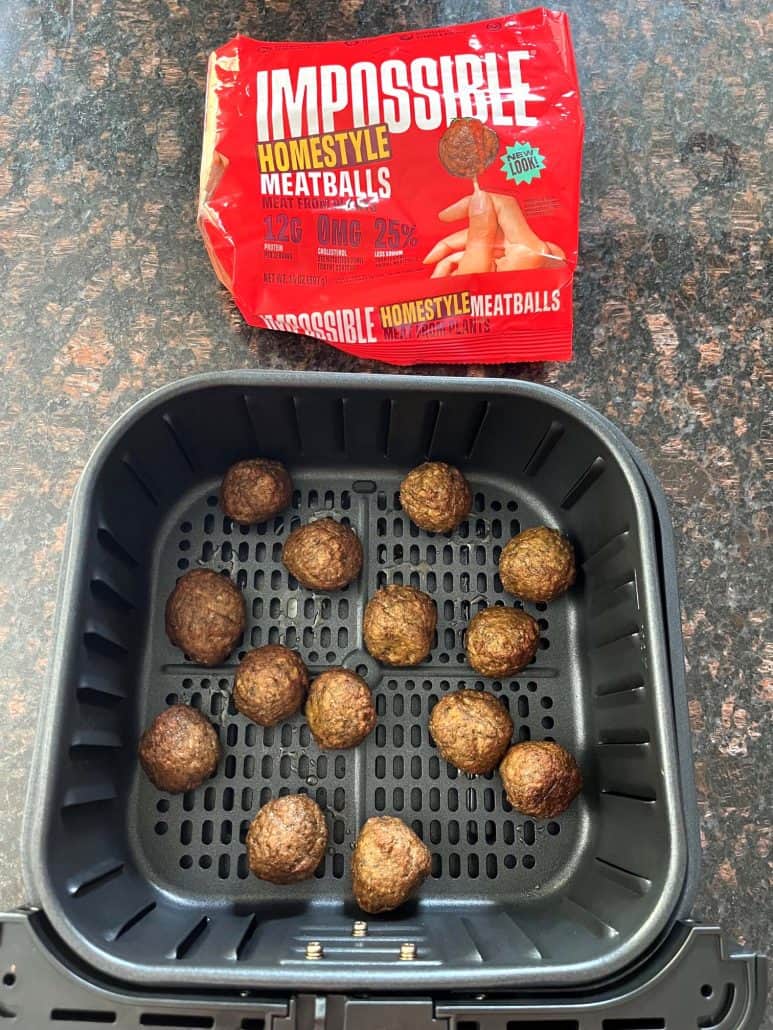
(544, 448)
(583, 484)
(81, 1016)
(131, 922)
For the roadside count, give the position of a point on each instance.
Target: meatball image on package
(345, 184)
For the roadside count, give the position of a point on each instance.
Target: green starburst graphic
(522, 163)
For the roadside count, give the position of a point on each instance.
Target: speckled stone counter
(107, 293)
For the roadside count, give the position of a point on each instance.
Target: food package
(408, 198)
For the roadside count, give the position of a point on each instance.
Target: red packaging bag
(408, 198)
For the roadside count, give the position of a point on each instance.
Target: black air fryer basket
(153, 890)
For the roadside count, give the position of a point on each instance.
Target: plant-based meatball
(472, 730)
(436, 496)
(205, 616)
(255, 490)
(501, 641)
(537, 564)
(467, 147)
(179, 750)
(399, 625)
(270, 684)
(323, 555)
(388, 864)
(541, 778)
(287, 839)
(340, 710)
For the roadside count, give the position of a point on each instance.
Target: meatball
(501, 641)
(270, 684)
(179, 750)
(537, 564)
(467, 147)
(472, 730)
(287, 839)
(541, 779)
(399, 625)
(255, 490)
(436, 496)
(340, 710)
(389, 862)
(323, 555)
(205, 616)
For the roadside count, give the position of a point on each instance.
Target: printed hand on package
(497, 239)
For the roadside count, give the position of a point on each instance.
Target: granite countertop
(108, 293)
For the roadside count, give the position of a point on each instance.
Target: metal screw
(359, 928)
(407, 951)
(314, 951)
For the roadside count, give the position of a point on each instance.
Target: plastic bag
(408, 198)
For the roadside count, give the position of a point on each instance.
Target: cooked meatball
(179, 750)
(467, 147)
(340, 710)
(537, 564)
(541, 779)
(287, 839)
(323, 555)
(205, 616)
(255, 490)
(270, 684)
(436, 496)
(472, 730)
(399, 625)
(501, 641)
(388, 864)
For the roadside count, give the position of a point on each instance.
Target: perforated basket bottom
(193, 844)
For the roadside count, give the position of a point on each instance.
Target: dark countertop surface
(107, 293)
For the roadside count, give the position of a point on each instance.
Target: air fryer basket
(154, 888)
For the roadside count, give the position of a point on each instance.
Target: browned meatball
(541, 778)
(472, 730)
(255, 490)
(501, 641)
(537, 564)
(399, 625)
(205, 616)
(179, 750)
(287, 839)
(388, 864)
(340, 710)
(436, 496)
(467, 147)
(323, 555)
(270, 684)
